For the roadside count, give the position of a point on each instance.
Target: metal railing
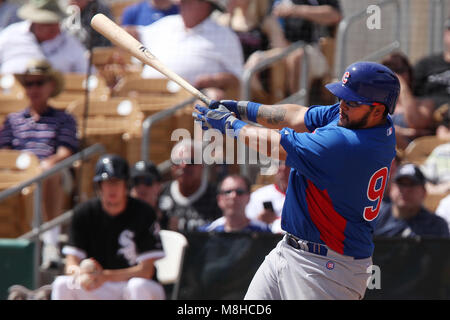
(343, 29)
(37, 227)
(436, 16)
(303, 90)
(150, 121)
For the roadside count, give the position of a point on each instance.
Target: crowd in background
(210, 43)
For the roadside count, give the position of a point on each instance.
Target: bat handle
(205, 99)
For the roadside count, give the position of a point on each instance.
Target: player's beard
(359, 124)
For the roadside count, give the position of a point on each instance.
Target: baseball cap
(410, 171)
(42, 11)
(41, 67)
(145, 171)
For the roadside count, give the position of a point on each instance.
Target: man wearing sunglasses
(232, 198)
(48, 133)
(340, 157)
(146, 184)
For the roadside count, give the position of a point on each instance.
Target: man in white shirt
(39, 37)
(195, 47)
(274, 194)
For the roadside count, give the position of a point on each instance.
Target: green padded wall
(16, 264)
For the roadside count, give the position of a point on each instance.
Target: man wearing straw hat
(40, 36)
(48, 133)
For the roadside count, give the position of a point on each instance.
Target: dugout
(220, 266)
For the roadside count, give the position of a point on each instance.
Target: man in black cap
(405, 216)
(146, 182)
(113, 243)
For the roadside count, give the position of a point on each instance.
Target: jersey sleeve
(315, 155)
(320, 116)
(78, 241)
(129, 15)
(148, 240)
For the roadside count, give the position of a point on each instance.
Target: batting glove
(242, 109)
(219, 118)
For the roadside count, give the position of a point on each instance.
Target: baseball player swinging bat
(123, 39)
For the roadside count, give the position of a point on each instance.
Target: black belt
(304, 245)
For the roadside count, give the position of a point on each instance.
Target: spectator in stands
(191, 44)
(47, 132)
(307, 21)
(233, 196)
(406, 216)
(273, 193)
(432, 73)
(146, 184)
(413, 117)
(443, 209)
(146, 12)
(83, 30)
(40, 37)
(120, 235)
(8, 13)
(437, 170)
(189, 200)
(260, 34)
(442, 121)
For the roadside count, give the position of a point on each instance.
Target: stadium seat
(169, 268)
(16, 211)
(420, 148)
(136, 85)
(75, 85)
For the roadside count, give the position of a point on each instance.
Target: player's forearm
(283, 115)
(324, 14)
(144, 269)
(263, 140)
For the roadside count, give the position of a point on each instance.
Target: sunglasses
(238, 191)
(38, 83)
(356, 104)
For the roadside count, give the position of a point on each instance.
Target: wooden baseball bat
(123, 39)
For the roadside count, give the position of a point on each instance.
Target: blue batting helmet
(368, 82)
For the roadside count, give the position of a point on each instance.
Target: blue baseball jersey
(143, 13)
(337, 181)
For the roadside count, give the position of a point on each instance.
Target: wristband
(236, 125)
(252, 110)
